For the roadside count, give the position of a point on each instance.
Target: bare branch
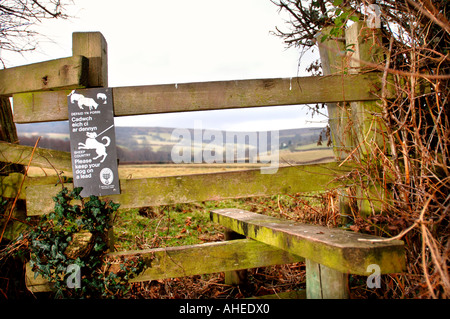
(17, 19)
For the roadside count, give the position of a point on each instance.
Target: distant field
(307, 156)
(310, 147)
(154, 170)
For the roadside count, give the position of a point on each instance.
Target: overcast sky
(177, 41)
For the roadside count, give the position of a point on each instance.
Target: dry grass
(128, 171)
(307, 156)
(400, 185)
(273, 281)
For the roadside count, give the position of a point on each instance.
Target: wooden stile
(345, 251)
(330, 254)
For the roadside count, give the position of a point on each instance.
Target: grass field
(128, 171)
(286, 158)
(188, 224)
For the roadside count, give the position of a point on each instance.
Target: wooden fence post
(8, 134)
(234, 277)
(93, 46)
(325, 283)
(365, 45)
(354, 124)
(332, 53)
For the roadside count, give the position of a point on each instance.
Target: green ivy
(341, 16)
(53, 234)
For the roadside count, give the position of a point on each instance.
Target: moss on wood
(345, 251)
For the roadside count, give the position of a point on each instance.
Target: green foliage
(164, 226)
(50, 238)
(340, 17)
(310, 17)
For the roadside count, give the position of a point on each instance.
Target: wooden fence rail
(69, 73)
(156, 191)
(207, 258)
(138, 100)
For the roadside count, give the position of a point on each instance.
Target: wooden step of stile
(331, 254)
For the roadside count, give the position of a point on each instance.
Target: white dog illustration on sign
(92, 144)
(82, 101)
(101, 96)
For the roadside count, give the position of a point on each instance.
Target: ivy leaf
(42, 246)
(60, 256)
(95, 211)
(60, 268)
(76, 193)
(54, 251)
(99, 247)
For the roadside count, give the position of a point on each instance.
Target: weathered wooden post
(323, 282)
(93, 46)
(8, 134)
(352, 127)
(365, 45)
(332, 57)
(354, 123)
(234, 277)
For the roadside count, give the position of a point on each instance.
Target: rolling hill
(154, 144)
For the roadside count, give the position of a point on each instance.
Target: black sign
(93, 141)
